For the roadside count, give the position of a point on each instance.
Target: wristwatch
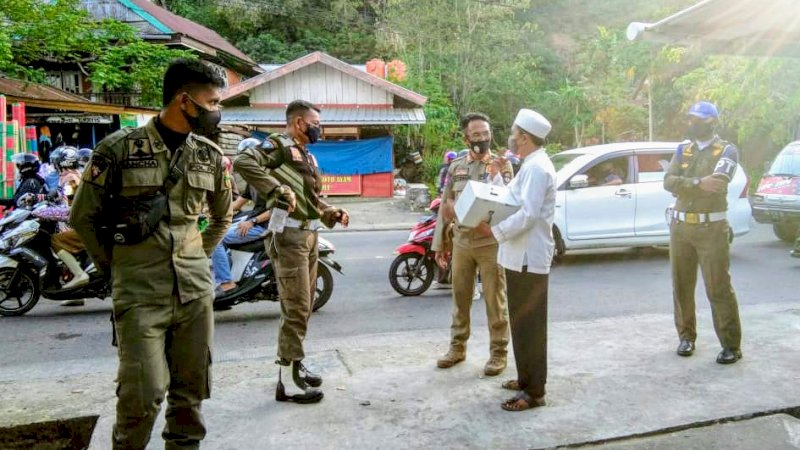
(695, 182)
(254, 220)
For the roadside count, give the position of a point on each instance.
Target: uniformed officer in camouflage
(162, 286)
(472, 251)
(282, 168)
(698, 176)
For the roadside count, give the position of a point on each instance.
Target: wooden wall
(320, 84)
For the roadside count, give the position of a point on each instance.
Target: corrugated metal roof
(328, 117)
(152, 20)
(37, 91)
(271, 67)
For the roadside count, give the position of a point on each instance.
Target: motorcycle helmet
(27, 163)
(65, 157)
(248, 143)
(84, 156)
(450, 156)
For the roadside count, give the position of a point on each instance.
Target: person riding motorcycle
(67, 243)
(29, 180)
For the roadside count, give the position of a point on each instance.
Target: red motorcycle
(414, 268)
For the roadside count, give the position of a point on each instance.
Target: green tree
(60, 32)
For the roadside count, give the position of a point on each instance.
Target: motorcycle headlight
(20, 235)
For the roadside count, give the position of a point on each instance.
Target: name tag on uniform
(139, 164)
(196, 167)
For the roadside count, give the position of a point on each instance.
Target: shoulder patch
(208, 142)
(96, 172)
(268, 145)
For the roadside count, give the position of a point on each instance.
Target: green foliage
(137, 66)
(278, 32)
(61, 32)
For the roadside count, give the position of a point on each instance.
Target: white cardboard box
(481, 202)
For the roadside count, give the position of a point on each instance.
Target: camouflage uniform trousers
(707, 245)
(294, 256)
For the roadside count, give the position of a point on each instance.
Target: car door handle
(623, 193)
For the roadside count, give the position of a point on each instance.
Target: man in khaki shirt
(162, 291)
(472, 251)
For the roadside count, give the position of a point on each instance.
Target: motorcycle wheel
(27, 292)
(324, 287)
(411, 274)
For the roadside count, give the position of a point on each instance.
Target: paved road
(586, 286)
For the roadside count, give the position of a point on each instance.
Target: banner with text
(341, 184)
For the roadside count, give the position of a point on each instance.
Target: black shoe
(311, 379)
(795, 253)
(728, 356)
(309, 394)
(685, 348)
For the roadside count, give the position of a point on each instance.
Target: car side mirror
(579, 181)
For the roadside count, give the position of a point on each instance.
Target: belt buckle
(692, 218)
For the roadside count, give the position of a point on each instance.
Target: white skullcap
(533, 122)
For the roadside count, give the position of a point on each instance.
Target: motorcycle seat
(252, 246)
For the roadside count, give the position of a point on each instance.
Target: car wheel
(560, 247)
(786, 232)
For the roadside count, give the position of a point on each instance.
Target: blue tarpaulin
(361, 157)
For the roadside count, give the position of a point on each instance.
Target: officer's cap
(533, 122)
(704, 110)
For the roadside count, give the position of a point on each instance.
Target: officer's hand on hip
(713, 184)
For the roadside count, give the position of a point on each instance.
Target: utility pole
(650, 107)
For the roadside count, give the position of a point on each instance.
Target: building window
(68, 80)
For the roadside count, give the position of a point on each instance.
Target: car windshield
(787, 163)
(561, 159)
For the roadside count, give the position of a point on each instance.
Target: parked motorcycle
(413, 270)
(23, 244)
(255, 280)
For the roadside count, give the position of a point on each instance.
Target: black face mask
(700, 130)
(206, 122)
(312, 133)
(480, 147)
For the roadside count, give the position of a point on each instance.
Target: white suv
(630, 213)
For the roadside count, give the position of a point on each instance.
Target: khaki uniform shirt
(461, 171)
(174, 259)
(690, 162)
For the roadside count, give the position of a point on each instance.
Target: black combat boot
(299, 390)
(311, 379)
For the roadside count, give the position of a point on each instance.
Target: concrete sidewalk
(609, 379)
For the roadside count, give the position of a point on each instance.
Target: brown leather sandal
(522, 401)
(511, 385)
